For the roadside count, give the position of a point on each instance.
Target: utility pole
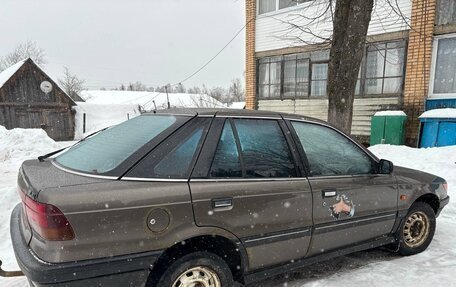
(167, 96)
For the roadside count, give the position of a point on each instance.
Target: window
(296, 76)
(319, 79)
(270, 70)
(264, 150)
(265, 6)
(329, 153)
(226, 161)
(176, 163)
(446, 12)
(108, 149)
(444, 69)
(173, 158)
(306, 74)
(384, 68)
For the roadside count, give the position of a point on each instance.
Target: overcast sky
(109, 42)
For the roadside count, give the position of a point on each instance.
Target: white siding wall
(273, 29)
(363, 110)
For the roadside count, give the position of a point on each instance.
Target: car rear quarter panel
(111, 218)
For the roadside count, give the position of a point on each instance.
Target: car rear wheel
(199, 269)
(417, 230)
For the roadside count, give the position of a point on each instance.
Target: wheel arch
(430, 199)
(233, 253)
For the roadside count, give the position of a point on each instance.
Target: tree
(137, 86)
(71, 84)
(347, 40)
(23, 51)
(179, 88)
(236, 91)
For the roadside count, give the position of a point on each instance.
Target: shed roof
(9, 72)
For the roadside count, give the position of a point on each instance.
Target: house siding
(272, 29)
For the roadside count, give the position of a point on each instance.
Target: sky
(110, 42)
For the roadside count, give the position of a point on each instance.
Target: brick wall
(418, 65)
(250, 68)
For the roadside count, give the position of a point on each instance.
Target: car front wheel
(199, 269)
(417, 230)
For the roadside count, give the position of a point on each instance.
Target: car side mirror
(385, 166)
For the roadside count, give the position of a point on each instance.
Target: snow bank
(9, 72)
(440, 161)
(390, 113)
(439, 113)
(99, 116)
(151, 100)
(17, 145)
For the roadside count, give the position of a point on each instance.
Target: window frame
(435, 46)
(207, 153)
(305, 161)
(277, 7)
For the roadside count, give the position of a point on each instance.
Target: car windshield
(106, 150)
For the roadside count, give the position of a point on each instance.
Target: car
(213, 197)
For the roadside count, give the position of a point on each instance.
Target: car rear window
(106, 150)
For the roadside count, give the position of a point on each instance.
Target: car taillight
(47, 220)
(445, 186)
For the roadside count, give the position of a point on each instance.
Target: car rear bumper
(129, 270)
(442, 204)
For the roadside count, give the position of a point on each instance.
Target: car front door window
(329, 153)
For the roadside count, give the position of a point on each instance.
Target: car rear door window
(226, 162)
(264, 149)
(330, 153)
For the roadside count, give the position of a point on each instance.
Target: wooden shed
(29, 98)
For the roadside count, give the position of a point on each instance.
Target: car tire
(417, 229)
(191, 269)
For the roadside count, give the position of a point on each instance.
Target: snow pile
(440, 161)
(390, 113)
(16, 145)
(99, 116)
(439, 113)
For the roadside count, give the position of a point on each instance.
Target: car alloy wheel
(198, 277)
(416, 229)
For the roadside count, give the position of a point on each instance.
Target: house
(409, 61)
(105, 108)
(30, 98)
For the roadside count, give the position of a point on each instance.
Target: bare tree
(236, 92)
(71, 84)
(350, 19)
(137, 86)
(23, 51)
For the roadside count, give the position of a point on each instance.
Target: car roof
(234, 113)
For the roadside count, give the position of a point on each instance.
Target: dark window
(226, 161)
(296, 77)
(265, 6)
(319, 79)
(270, 70)
(446, 12)
(176, 163)
(264, 149)
(108, 149)
(329, 153)
(174, 157)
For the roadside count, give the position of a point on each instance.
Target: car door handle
(222, 203)
(329, 192)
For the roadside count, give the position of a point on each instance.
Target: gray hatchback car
(211, 197)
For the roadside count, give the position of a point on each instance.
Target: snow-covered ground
(434, 267)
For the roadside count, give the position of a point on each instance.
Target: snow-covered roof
(390, 113)
(9, 72)
(439, 113)
(147, 99)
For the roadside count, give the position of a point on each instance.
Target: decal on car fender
(343, 206)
